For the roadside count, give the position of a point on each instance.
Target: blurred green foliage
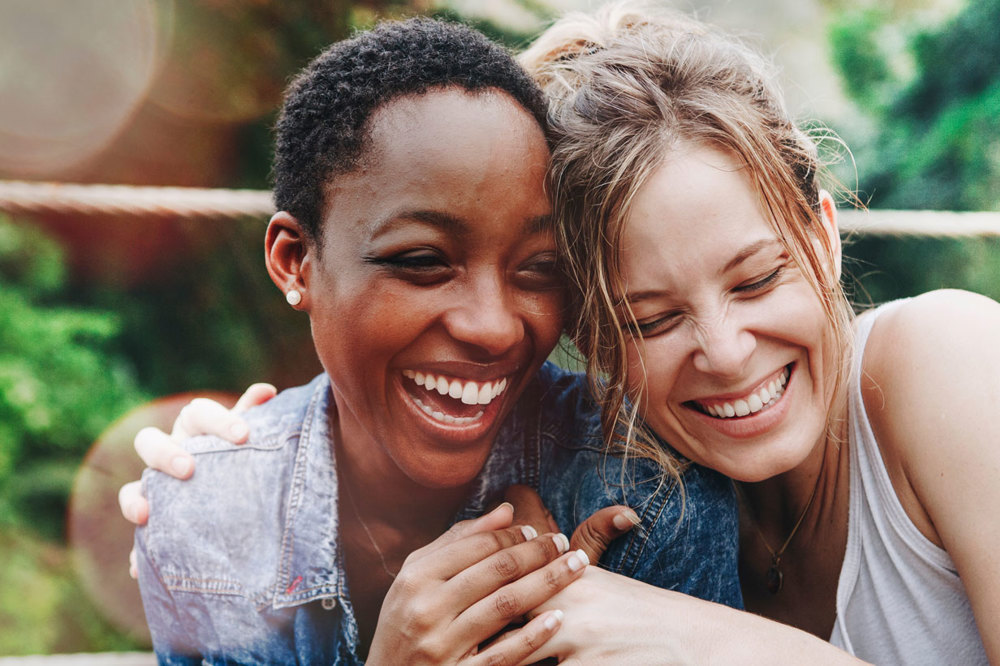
(62, 380)
(933, 140)
(43, 609)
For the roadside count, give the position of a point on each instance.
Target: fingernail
(625, 520)
(503, 504)
(554, 618)
(238, 430)
(562, 543)
(577, 561)
(529, 532)
(181, 465)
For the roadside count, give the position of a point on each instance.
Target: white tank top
(899, 598)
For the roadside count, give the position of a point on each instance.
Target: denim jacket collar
(311, 525)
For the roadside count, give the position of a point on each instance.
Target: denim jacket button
(329, 603)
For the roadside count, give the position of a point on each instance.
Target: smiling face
(434, 297)
(735, 345)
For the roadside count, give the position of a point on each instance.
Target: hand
(612, 619)
(593, 536)
(163, 452)
(463, 588)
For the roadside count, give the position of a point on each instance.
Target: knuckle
(186, 413)
(551, 579)
(499, 659)
(496, 540)
(407, 582)
(531, 641)
(593, 539)
(505, 565)
(201, 405)
(507, 604)
(432, 651)
(547, 547)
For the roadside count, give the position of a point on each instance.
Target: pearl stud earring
(293, 297)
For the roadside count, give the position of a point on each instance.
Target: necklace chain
(774, 576)
(371, 537)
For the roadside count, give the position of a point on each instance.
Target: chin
(437, 471)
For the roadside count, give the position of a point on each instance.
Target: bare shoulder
(942, 336)
(931, 385)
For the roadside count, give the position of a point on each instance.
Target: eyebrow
(447, 223)
(749, 251)
(741, 256)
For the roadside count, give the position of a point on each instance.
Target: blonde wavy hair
(626, 85)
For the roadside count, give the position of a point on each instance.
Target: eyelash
(407, 262)
(422, 268)
(761, 284)
(538, 274)
(656, 327)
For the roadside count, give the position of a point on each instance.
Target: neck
(778, 503)
(384, 516)
(382, 497)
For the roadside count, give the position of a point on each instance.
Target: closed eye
(420, 267)
(761, 284)
(540, 273)
(658, 325)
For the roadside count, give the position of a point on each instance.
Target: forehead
(468, 155)
(695, 212)
(700, 189)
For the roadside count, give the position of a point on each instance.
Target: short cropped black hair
(323, 126)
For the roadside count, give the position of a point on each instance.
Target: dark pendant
(774, 578)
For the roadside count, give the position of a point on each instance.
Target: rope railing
(20, 197)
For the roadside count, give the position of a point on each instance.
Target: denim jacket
(242, 563)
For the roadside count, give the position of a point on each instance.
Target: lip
(467, 370)
(461, 434)
(752, 425)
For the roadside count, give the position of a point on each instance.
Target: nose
(487, 316)
(723, 347)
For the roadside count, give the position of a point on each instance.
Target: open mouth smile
(453, 401)
(760, 399)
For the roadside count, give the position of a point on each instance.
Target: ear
(288, 253)
(831, 232)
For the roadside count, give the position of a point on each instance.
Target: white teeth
(469, 392)
(755, 402)
(448, 418)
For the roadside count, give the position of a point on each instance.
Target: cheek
(355, 336)
(653, 362)
(545, 314)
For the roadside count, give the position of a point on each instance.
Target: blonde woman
(706, 260)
